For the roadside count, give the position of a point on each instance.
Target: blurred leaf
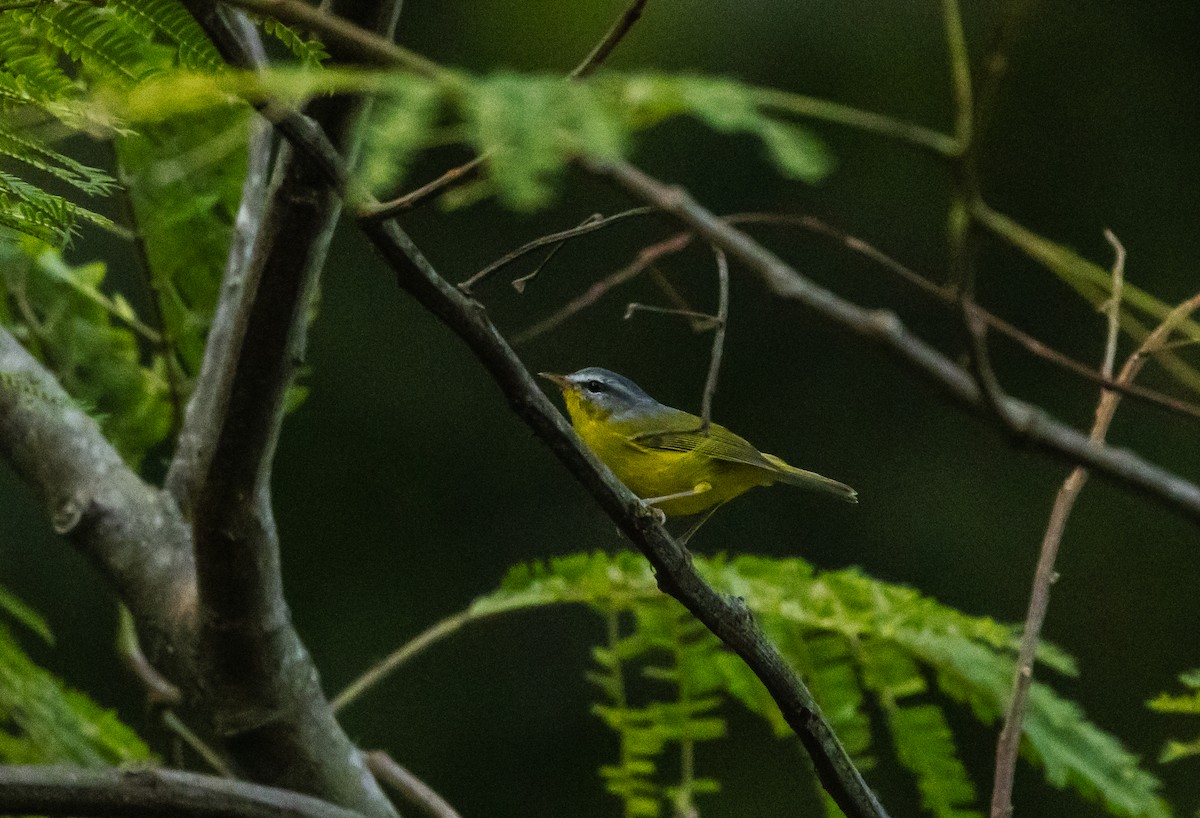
(27, 616)
(62, 317)
(42, 722)
(851, 637)
(1187, 704)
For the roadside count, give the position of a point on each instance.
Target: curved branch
(126, 527)
(65, 791)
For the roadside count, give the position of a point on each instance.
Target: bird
(668, 457)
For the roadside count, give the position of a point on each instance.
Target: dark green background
(405, 486)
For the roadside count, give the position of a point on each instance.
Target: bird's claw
(657, 513)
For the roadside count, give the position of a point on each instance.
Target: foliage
(1184, 704)
(529, 127)
(89, 340)
(863, 645)
(41, 720)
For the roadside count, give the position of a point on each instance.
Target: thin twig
(415, 792)
(596, 291)
(611, 40)
(718, 344)
(1114, 304)
(348, 41)
(162, 695)
(826, 110)
(161, 692)
(415, 198)
(947, 297)
(384, 668)
(197, 745)
(1044, 575)
(60, 790)
(700, 321)
(589, 225)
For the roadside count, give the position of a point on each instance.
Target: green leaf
(925, 746)
(42, 722)
(27, 616)
(81, 335)
(1187, 704)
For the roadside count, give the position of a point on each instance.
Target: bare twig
(1114, 304)
(826, 110)
(161, 692)
(947, 297)
(342, 37)
(700, 321)
(388, 664)
(415, 198)
(592, 62)
(66, 791)
(1064, 502)
(415, 792)
(589, 225)
(198, 746)
(596, 291)
(162, 695)
(718, 345)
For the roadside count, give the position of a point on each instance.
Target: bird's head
(598, 394)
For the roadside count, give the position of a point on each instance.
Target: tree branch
(592, 62)
(92, 497)
(718, 344)
(260, 686)
(728, 619)
(1032, 424)
(590, 226)
(149, 793)
(1009, 742)
(412, 789)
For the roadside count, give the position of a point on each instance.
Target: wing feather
(682, 433)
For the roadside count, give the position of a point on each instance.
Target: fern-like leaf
(169, 22)
(855, 640)
(43, 722)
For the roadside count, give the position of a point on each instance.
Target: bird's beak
(561, 381)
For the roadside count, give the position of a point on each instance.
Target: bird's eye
(594, 386)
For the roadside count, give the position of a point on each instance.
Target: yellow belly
(657, 473)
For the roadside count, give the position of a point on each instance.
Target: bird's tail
(811, 480)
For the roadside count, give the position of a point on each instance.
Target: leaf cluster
(1187, 704)
(91, 341)
(884, 662)
(41, 720)
(528, 127)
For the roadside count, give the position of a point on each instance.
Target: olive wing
(682, 432)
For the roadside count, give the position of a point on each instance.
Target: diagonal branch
(728, 619)
(592, 62)
(1032, 425)
(65, 791)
